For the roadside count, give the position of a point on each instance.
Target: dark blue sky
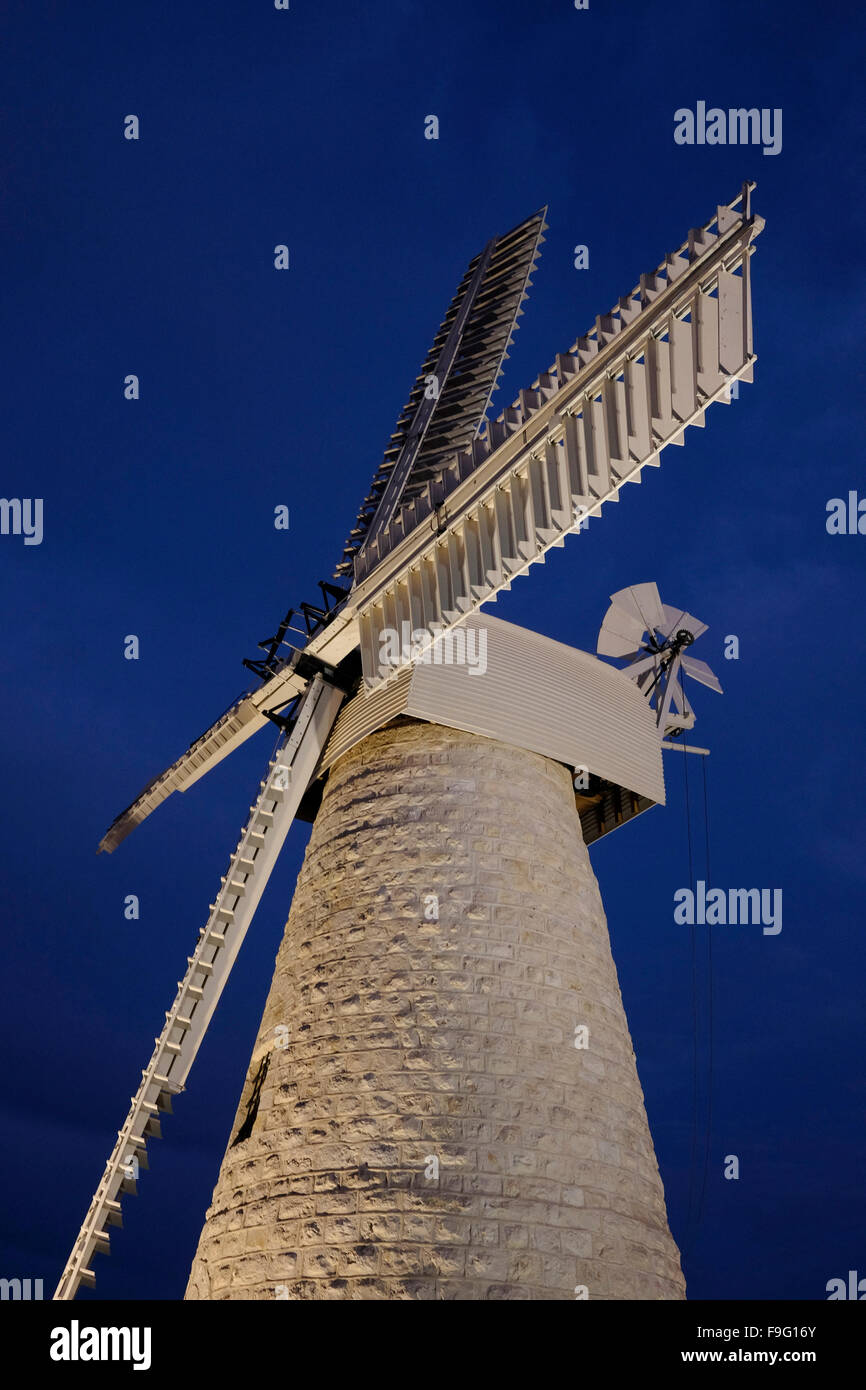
(155, 257)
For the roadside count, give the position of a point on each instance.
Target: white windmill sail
(591, 423)
(632, 612)
(448, 402)
(465, 363)
(700, 672)
(244, 717)
(208, 969)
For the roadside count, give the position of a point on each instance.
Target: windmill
(422, 1115)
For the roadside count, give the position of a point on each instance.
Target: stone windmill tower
(442, 1100)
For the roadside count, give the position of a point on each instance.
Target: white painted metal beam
(592, 423)
(208, 969)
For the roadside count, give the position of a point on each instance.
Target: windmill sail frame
(208, 969)
(603, 412)
(448, 403)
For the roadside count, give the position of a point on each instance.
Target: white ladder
(208, 969)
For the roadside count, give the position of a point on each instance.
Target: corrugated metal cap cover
(534, 693)
(368, 711)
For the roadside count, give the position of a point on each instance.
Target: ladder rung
(113, 1213)
(204, 966)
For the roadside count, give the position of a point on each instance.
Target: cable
(695, 1209)
(693, 1159)
(706, 823)
(688, 813)
(709, 1006)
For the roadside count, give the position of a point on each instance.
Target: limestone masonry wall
(394, 1042)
